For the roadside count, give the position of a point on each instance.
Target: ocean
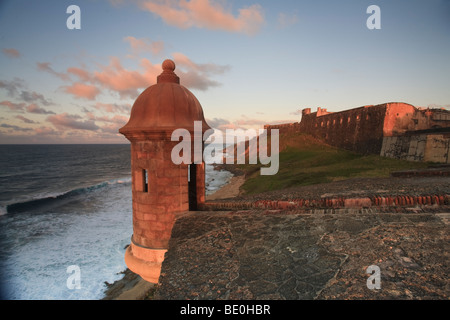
(66, 216)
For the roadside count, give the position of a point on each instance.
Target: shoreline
(229, 190)
(132, 286)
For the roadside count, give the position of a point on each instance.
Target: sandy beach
(230, 190)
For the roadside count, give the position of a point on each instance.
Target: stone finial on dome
(168, 74)
(168, 65)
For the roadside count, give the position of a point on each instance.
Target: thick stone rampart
(380, 129)
(432, 147)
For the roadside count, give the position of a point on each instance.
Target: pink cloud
(68, 121)
(122, 120)
(113, 107)
(45, 131)
(13, 106)
(12, 53)
(242, 123)
(82, 74)
(33, 108)
(207, 14)
(26, 120)
(81, 90)
(126, 82)
(112, 128)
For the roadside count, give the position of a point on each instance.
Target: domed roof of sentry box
(164, 107)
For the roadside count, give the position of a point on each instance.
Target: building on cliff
(397, 130)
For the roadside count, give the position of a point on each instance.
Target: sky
(249, 62)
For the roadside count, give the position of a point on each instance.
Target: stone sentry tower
(160, 188)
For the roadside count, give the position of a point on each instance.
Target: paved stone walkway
(291, 255)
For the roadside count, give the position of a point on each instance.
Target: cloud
(12, 87)
(207, 14)
(197, 76)
(26, 120)
(286, 20)
(83, 91)
(65, 120)
(126, 82)
(122, 120)
(205, 68)
(243, 122)
(275, 122)
(221, 124)
(438, 106)
(14, 128)
(35, 97)
(251, 122)
(296, 112)
(33, 108)
(217, 122)
(12, 53)
(82, 74)
(45, 66)
(111, 128)
(18, 107)
(113, 107)
(45, 131)
(139, 46)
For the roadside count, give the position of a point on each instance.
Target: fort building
(397, 130)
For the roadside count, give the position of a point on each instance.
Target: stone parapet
(339, 202)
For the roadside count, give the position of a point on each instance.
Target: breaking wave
(48, 199)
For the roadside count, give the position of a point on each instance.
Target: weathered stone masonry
(375, 130)
(160, 188)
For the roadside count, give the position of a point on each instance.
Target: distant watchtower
(160, 188)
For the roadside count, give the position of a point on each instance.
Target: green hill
(305, 160)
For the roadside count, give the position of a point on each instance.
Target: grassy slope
(306, 161)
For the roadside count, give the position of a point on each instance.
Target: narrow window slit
(145, 180)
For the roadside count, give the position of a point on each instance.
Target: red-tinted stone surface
(160, 188)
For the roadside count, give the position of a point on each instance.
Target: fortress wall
(386, 129)
(418, 147)
(285, 128)
(359, 129)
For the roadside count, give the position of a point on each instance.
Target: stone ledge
(340, 202)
